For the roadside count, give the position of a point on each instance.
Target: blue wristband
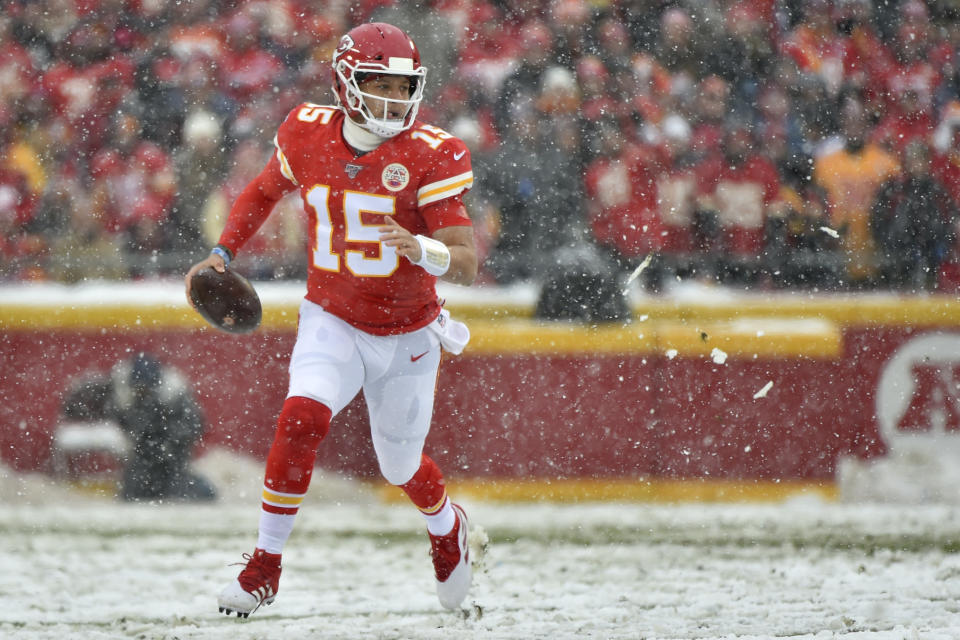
(220, 251)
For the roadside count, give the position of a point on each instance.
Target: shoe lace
(256, 572)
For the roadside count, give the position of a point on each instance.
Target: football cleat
(257, 584)
(451, 562)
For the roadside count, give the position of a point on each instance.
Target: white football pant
(332, 361)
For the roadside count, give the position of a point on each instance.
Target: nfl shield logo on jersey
(395, 176)
(353, 169)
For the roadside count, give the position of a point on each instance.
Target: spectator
(799, 252)
(199, 162)
(677, 178)
(87, 82)
(19, 248)
(913, 223)
(570, 23)
(852, 177)
(740, 191)
(946, 148)
(596, 102)
(710, 109)
(44, 25)
(909, 119)
(68, 68)
(911, 85)
(246, 69)
(613, 43)
(779, 128)
(159, 85)
(644, 21)
(523, 84)
(622, 199)
(748, 52)
(679, 48)
(82, 249)
(487, 51)
(536, 199)
(816, 47)
(134, 192)
(866, 58)
(17, 71)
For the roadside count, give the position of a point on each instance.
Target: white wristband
(434, 256)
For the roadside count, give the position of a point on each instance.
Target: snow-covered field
(78, 565)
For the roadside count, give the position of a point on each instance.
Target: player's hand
(213, 260)
(393, 235)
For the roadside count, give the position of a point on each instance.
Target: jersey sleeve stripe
(284, 165)
(444, 188)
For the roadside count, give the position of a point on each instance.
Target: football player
(383, 192)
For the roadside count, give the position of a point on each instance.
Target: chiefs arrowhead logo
(346, 43)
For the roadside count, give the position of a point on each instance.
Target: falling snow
(78, 565)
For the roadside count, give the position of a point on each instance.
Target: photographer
(154, 407)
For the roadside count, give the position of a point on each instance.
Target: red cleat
(257, 584)
(451, 562)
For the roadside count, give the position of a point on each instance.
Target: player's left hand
(393, 235)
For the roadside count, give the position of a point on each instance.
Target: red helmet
(376, 49)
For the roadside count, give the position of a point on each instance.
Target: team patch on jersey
(353, 169)
(395, 176)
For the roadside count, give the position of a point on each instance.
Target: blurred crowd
(757, 143)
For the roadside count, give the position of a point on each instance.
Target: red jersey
(622, 191)
(741, 196)
(676, 202)
(946, 168)
(417, 177)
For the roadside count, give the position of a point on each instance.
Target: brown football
(226, 300)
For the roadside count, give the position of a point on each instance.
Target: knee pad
(303, 417)
(399, 471)
(302, 424)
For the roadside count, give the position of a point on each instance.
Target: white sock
(441, 523)
(274, 530)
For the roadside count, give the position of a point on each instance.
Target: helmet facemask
(355, 101)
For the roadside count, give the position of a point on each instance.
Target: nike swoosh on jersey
(457, 156)
(415, 358)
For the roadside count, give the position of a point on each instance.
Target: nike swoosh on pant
(415, 358)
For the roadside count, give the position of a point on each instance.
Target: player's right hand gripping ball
(226, 300)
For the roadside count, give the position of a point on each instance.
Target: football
(226, 300)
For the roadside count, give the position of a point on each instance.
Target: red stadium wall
(527, 401)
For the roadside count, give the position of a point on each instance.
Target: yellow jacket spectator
(851, 177)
